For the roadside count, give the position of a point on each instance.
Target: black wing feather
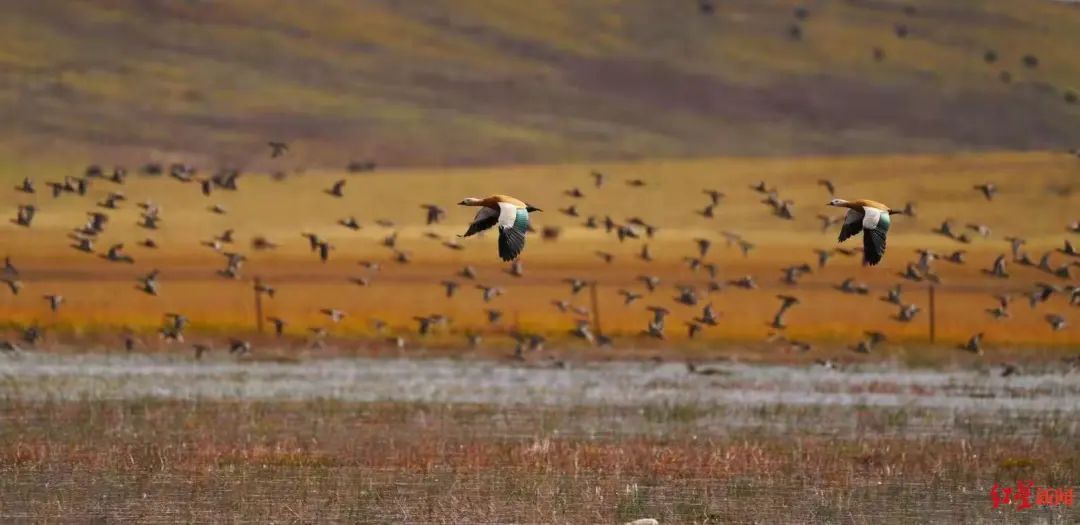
(851, 228)
(511, 242)
(482, 225)
(873, 246)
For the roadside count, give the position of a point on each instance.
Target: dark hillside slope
(493, 81)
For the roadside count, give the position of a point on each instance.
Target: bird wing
(852, 224)
(485, 218)
(874, 237)
(513, 223)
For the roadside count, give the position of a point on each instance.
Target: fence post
(595, 308)
(258, 305)
(933, 314)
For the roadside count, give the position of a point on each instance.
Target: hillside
(452, 82)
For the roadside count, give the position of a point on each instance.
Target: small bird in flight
(277, 148)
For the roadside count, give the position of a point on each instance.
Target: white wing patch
(484, 213)
(870, 217)
(507, 215)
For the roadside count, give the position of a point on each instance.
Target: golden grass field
(1038, 197)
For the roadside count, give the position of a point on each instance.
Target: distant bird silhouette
(574, 192)
(998, 269)
(708, 316)
(1068, 249)
(828, 186)
(148, 283)
(24, 215)
(111, 199)
(645, 254)
(746, 282)
(324, 250)
(335, 315)
(793, 273)
(956, 257)
(433, 214)
(982, 229)
(893, 295)
(239, 347)
(907, 313)
(277, 148)
(714, 196)
(598, 178)
(650, 281)
(451, 287)
(279, 325)
(850, 286)
(489, 292)
(576, 285)
(687, 296)
(786, 303)
(350, 223)
(27, 186)
(974, 344)
(795, 32)
(865, 346)
(988, 190)
(823, 257)
(338, 189)
(115, 254)
(9, 268)
(828, 222)
(54, 301)
(1057, 322)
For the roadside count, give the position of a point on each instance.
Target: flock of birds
(511, 217)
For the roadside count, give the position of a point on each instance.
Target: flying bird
(988, 190)
(509, 214)
(872, 219)
(277, 148)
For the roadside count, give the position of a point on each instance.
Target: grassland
(155, 461)
(491, 82)
(1038, 197)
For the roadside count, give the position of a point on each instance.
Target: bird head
(470, 201)
(837, 202)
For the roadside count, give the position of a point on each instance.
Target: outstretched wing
(853, 224)
(513, 223)
(874, 238)
(485, 218)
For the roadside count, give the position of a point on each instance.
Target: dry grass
(326, 461)
(101, 295)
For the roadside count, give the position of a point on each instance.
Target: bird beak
(462, 203)
(829, 203)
